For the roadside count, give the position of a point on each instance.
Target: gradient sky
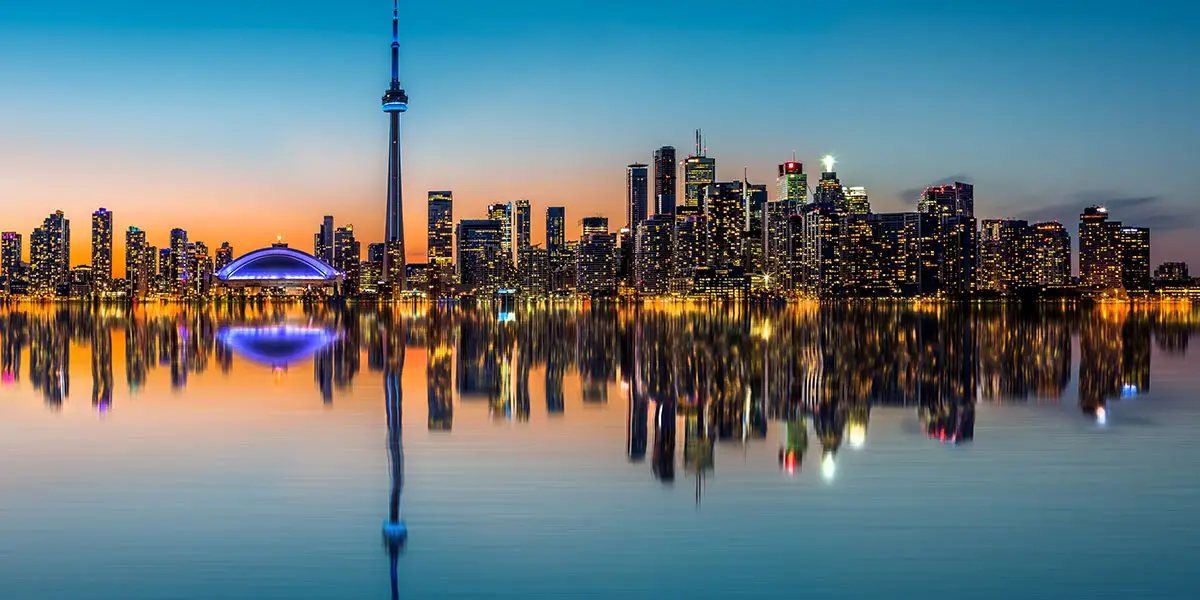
(241, 121)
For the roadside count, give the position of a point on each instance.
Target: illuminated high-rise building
(10, 253)
(50, 254)
(166, 269)
(522, 225)
(533, 271)
(726, 223)
(1051, 254)
(224, 256)
(137, 259)
(596, 271)
(323, 241)
(829, 190)
(1100, 259)
(180, 259)
(347, 256)
(856, 201)
(395, 103)
(1135, 258)
(950, 200)
(1172, 272)
(637, 190)
(441, 228)
(699, 171)
(792, 186)
(593, 225)
(776, 262)
(819, 257)
(556, 229)
(665, 183)
(652, 251)
(503, 213)
(1006, 255)
(480, 255)
(691, 248)
(102, 250)
(754, 206)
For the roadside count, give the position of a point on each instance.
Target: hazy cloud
(1155, 212)
(910, 196)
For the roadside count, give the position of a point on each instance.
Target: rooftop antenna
(793, 155)
(699, 145)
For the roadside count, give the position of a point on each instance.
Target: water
(172, 452)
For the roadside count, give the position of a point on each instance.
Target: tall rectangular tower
(665, 184)
(102, 249)
(441, 228)
(636, 192)
(522, 227)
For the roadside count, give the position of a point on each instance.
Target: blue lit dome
(278, 265)
(278, 345)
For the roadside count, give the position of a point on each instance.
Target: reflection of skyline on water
(689, 378)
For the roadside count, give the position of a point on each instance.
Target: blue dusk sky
(243, 120)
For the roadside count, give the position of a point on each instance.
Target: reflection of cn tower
(395, 531)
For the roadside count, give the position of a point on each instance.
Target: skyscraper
(50, 254)
(395, 103)
(1052, 254)
(829, 189)
(224, 256)
(1135, 258)
(665, 186)
(480, 257)
(1099, 249)
(636, 192)
(595, 264)
(698, 173)
(1006, 257)
(10, 253)
(691, 248)
(102, 249)
(522, 226)
(652, 253)
(502, 213)
(323, 241)
(792, 186)
(137, 269)
(948, 200)
(441, 227)
(347, 254)
(593, 225)
(857, 201)
(556, 229)
(180, 259)
(819, 258)
(726, 222)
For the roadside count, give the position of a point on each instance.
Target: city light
(828, 467)
(828, 162)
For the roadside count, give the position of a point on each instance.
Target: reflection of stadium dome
(276, 346)
(278, 266)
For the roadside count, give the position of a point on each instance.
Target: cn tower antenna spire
(395, 44)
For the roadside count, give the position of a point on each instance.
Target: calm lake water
(259, 453)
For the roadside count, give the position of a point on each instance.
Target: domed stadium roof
(278, 265)
(276, 345)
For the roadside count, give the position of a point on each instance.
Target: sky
(242, 121)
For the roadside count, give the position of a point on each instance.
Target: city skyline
(245, 164)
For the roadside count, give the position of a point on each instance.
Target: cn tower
(395, 102)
